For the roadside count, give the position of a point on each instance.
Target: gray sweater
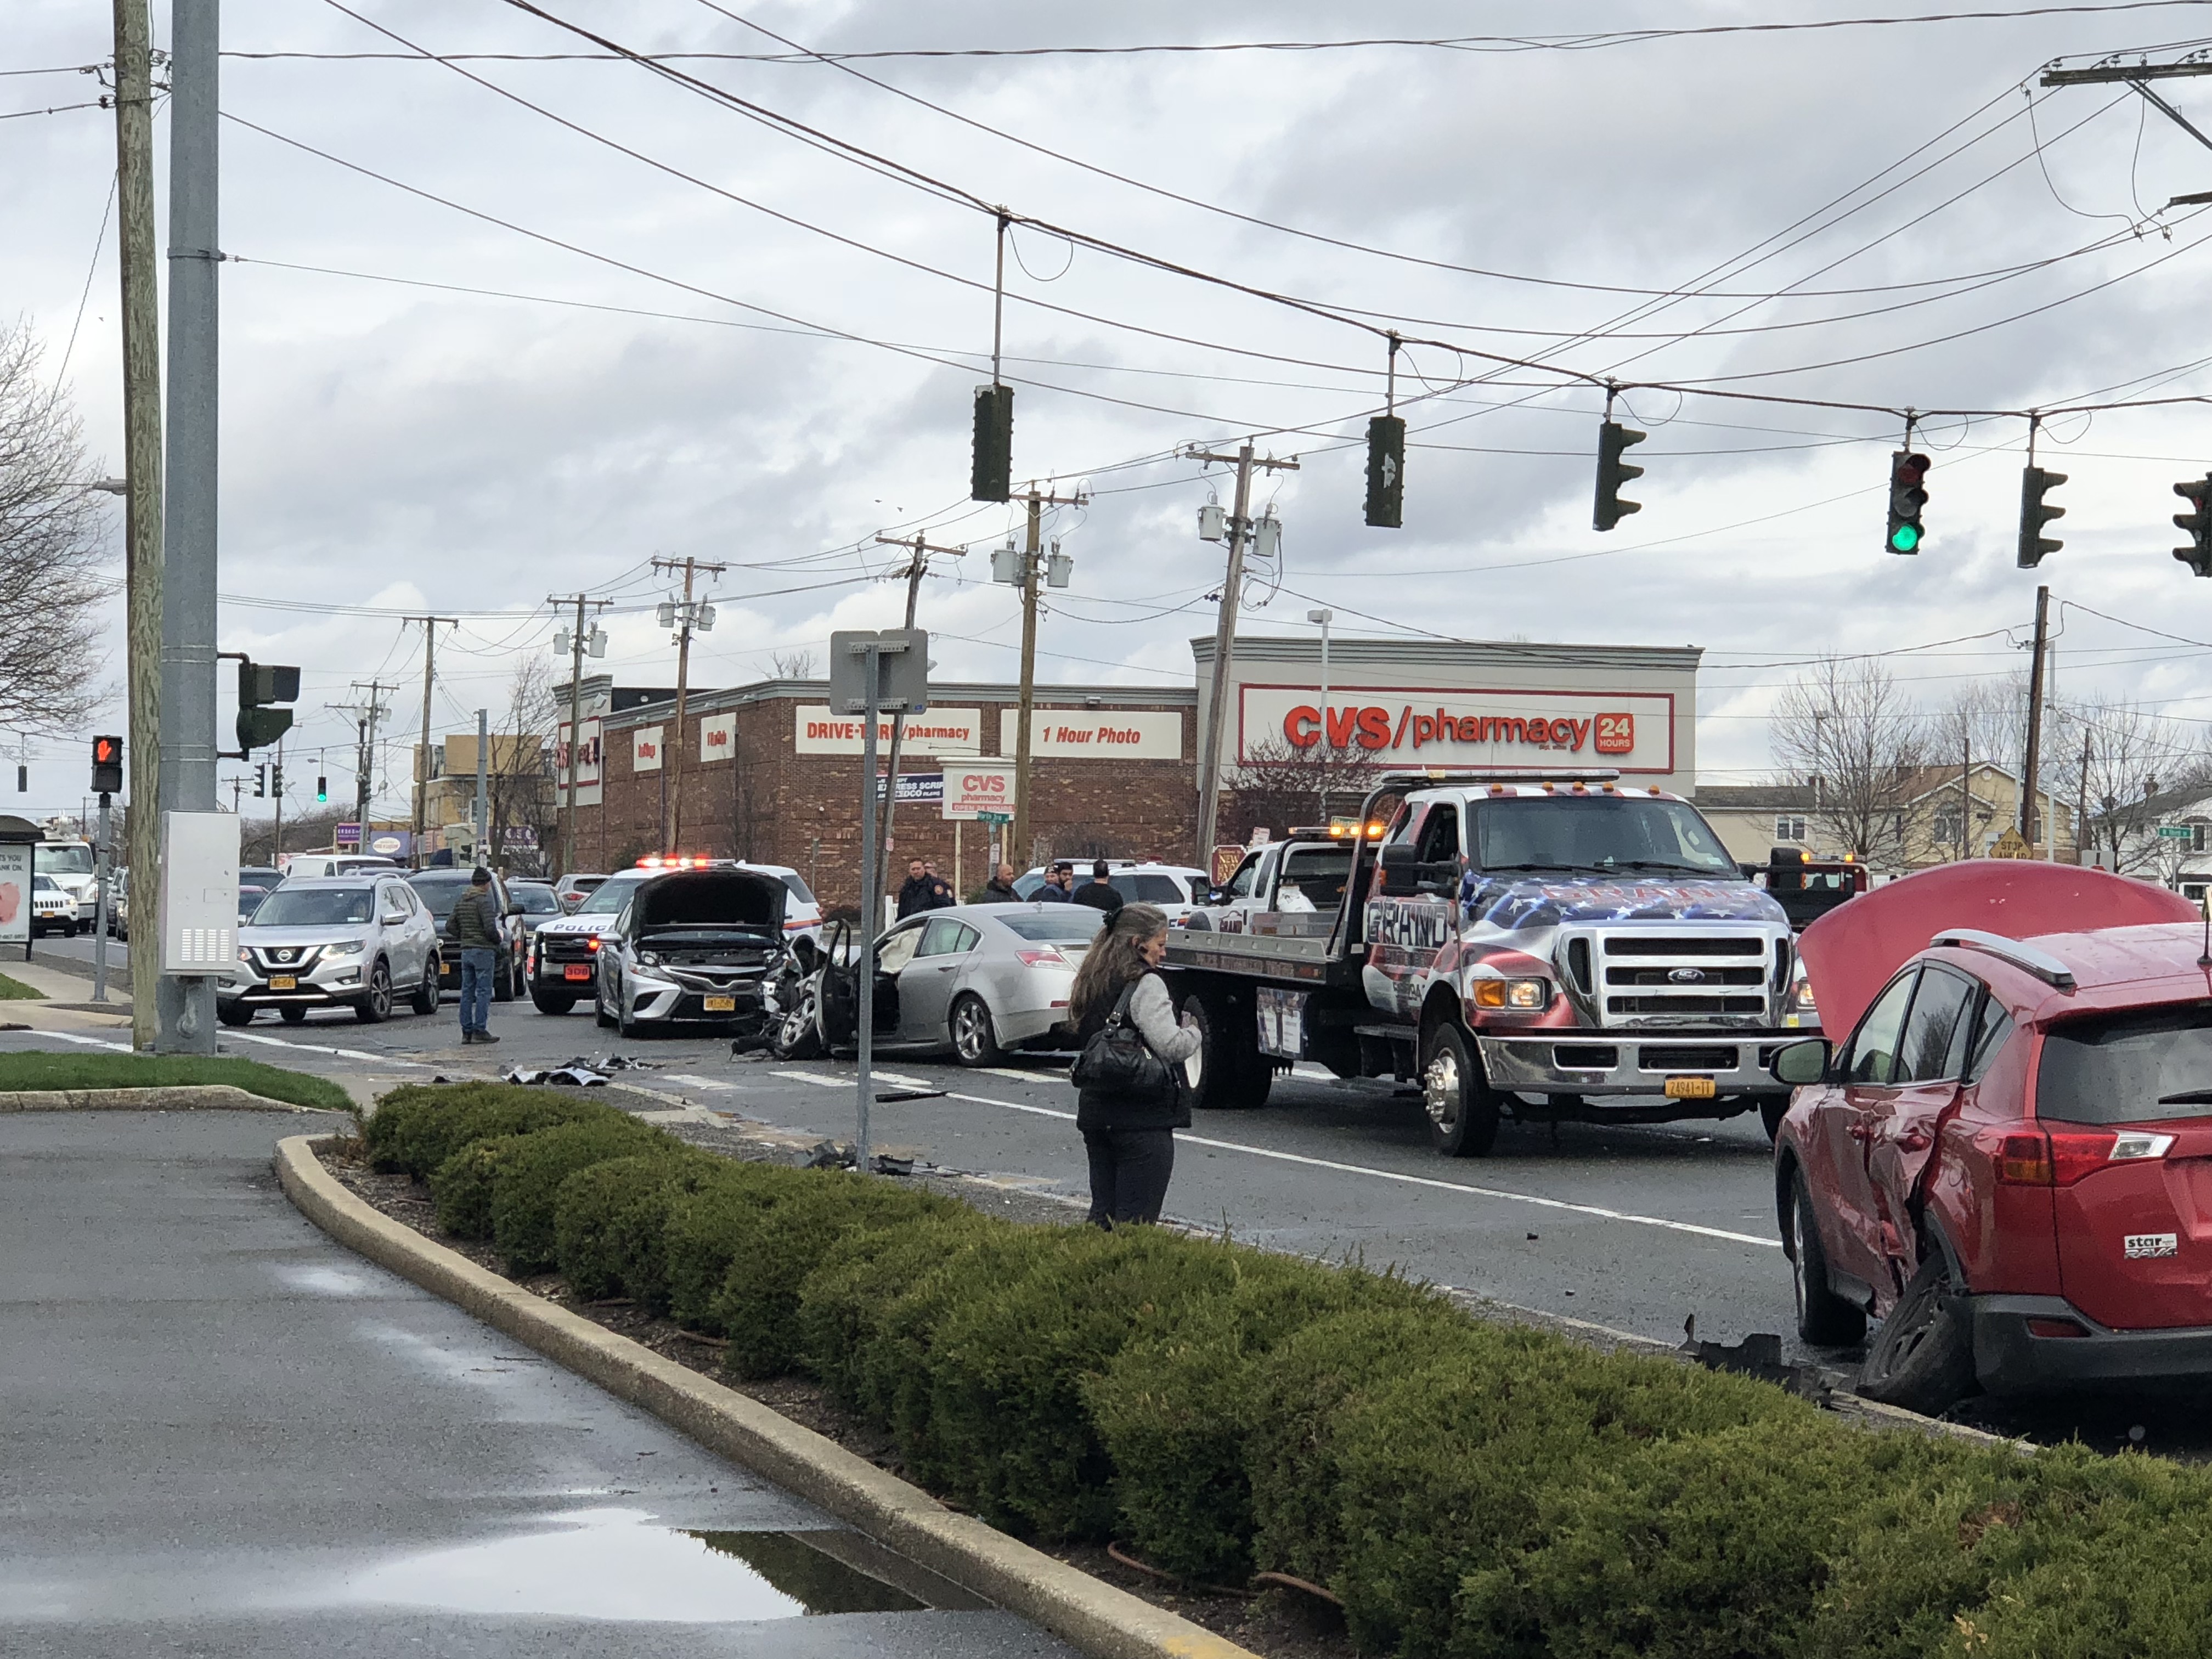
(1152, 1012)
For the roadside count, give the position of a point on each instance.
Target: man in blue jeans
(473, 928)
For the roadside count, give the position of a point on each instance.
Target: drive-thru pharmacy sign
(1632, 731)
(973, 790)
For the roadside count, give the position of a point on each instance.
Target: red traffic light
(108, 766)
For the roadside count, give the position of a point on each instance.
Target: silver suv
(334, 942)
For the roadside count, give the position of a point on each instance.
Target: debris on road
(570, 1076)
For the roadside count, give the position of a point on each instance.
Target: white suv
(334, 942)
(1174, 887)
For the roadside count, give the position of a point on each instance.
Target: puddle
(618, 1564)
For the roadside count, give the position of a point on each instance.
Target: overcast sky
(391, 447)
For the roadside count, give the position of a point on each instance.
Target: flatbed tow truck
(1544, 947)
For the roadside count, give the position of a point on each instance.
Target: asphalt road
(225, 1435)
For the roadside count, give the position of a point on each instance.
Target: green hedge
(1470, 1491)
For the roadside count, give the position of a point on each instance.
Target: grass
(26, 1070)
(13, 990)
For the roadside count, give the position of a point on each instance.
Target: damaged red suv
(2008, 1162)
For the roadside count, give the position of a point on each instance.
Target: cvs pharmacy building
(1408, 704)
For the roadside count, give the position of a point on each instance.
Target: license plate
(1692, 1088)
(577, 971)
(284, 981)
(721, 1005)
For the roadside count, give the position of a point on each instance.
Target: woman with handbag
(1134, 1094)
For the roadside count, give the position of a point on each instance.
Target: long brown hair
(1112, 962)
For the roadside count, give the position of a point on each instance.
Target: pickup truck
(1547, 948)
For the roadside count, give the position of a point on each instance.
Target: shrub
(416, 1127)
(609, 1220)
(528, 1176)
(757, 1306)
(710, 1224)
(461, 1186)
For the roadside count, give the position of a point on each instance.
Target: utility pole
(422, 753)
(142, 447)
(2136, 75)
(1037, 503)
(237, 786)
(2081, 806)
(1224, 640)
(483, 813)
(364, 774)
(576, 645)
(686, 617)
(276, 795)
(185, 1004)
(916, 568)
(1965, 789)
(2030, 800)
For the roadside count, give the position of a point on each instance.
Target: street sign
(994, 818)
(2177, 831)
(902, 679)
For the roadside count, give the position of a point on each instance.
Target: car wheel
(974, 1041)
(294, 1015)
(1771, 1113)
(1462, 1107)
(1824, 1318)
(425, 994)
(502, 983)
(375, 1005)
(234, 1013)
(796, 1033)
(1922, 1356)
(599, 1014)
(552, 1002)
(1233, 1075)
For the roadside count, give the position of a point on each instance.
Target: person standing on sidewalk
(1130, 1141)
(473, 929)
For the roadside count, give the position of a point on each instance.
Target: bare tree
(2133, 761)
(1277, 784)
(1846, 725)
(52, 549)
(797, 665)
(519, 778)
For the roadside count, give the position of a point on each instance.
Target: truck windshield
(1597, 832)
(62, 860)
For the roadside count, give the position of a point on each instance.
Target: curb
(178, 1097)
(1095, 1617)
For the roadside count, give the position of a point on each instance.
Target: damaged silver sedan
(692, 948)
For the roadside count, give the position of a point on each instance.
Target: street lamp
(1324, 617)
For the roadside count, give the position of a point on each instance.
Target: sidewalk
(68, 1006)
(227, 1435)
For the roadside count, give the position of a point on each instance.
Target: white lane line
(698, 1082)
(324, 1049)
(1021, 1077)
(816, 1077)
(852, 1080)
(86, 1042)
(1313, 1074)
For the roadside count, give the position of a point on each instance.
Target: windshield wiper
(2188, 1098)
(1589, 869)
(1662, 864)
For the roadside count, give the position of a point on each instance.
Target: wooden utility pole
(2030, 802)
(364, 773)
(422, 752)
(917, 568)
(577, 643)
(142, 443)
(1225, 641)
(688, 616)
(1037, 503)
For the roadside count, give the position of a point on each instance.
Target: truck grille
(1661, 977)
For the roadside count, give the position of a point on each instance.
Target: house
(2165, 837)
(1932, 819)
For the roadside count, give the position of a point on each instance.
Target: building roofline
(1306, 648)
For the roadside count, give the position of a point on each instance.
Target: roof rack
(2041, 964)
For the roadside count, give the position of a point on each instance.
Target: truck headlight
(1801, 997)
(1527, 995)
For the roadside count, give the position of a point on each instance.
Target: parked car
(973, 980)
(690, 947)
(118, 902)
(334, 942)
(560, 963)
(53, 908)
(254, 886)
(2001, 1162)
(539, 903)
(571, 889)
(1174, 887)
(335, 864)
(440, 889)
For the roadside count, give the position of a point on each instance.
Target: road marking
(698, 1082)
(324, 1049)
(816, 1077)
(282, 1043)
(1021, 1077)
(1313, 1074)
(88, 1041)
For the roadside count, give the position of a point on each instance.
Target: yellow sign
(2012, 845)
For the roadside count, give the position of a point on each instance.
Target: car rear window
(2132, 1067)
(1077, 925)
(1149, 889)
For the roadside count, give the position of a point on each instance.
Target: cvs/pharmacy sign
(978, 787)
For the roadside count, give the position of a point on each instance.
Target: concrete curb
(180, 1098)
(1100, 1620)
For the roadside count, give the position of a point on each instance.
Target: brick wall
(773, 805)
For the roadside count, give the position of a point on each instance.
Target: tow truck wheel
(1771, 1111)
(1233, 1074)
(1461, 1105)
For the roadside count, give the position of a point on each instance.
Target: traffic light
(322, 788)
(276, 779)
(2197, 556)
(260, 780)
(1386, 470)
(1613, 473)
(2034, 484)
(991, 478)
(260, 685)
(1906, 498)
(108, 766)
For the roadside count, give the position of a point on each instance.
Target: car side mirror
(1215, 895)
(394, 918)
(1798, 1063)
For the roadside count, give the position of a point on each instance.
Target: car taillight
(1047, 958)
(2059, 1158)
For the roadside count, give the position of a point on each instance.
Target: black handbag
(1118, 1061)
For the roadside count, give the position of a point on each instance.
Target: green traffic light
(1905, 538)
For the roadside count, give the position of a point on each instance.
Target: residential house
(1935, 820)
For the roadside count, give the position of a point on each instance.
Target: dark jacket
(919, 893)
(1099, 896)
(999, 892)
(1094, 1109)
(473, 924)
(1052, 893)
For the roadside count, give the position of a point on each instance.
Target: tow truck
(1542, 947)
(1807, 887)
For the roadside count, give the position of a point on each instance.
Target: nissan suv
(334, 942)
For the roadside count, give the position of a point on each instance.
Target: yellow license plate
(284, 981)
(1692, 1088)
(721, 1005)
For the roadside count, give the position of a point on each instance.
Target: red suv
(2009, 1161)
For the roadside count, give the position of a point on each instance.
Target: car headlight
(1526, 995)
(244, 955)
(350, 948)
(647, 959)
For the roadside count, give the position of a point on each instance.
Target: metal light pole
(1324, 617)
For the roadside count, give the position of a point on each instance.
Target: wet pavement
(222, 1434)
